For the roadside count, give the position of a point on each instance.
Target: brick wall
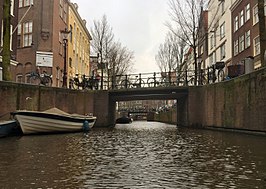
(15, 96)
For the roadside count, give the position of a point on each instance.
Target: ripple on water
(138, 155)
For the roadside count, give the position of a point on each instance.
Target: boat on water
(124, 120)
(52, 120)
(8, 128)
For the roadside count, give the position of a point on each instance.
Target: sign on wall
(44, 59)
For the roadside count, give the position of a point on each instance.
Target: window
(212, 41)
(201, 50)
(2, 37)
(264, 7)
(257, 46)
(27, 78)
(222, 51)
(71, 34)
(222, 31)
(241, 43)
(20, 3)
(235, 47)
(222, 7)
(213, 58)
(19, 36)
(247, 11)
(27, 34)
(12, 7)
(19, 78)
(63, 10)
(247, 39)
(24, 3)
(255, 15)
(242, 18)
(236, 24)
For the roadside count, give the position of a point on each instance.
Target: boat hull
(7, 128)
(40, 122)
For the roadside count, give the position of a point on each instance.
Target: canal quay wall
(14, 96)
(239, 103)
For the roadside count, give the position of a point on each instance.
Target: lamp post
(64, 35)
(199, 70)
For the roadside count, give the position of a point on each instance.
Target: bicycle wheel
(35, 80)
(139, 83)
(47, 81)
(220, 75)
(125, 84)
(151, 82)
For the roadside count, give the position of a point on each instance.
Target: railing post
(208, 74)
(169, 77)
(186, 77)
(126, 81)
(213, 74)
(113, 84)
(140, 80)
(154, 79)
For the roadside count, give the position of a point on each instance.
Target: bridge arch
(178, 93)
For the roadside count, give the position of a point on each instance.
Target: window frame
(256, 46)
(241, 47)
(236, 47)
(247, 39)
(222, 31)
(247, 12)
(255, 14)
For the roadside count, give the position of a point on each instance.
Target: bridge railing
(157, 79)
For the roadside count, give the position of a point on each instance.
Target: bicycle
(84, 83)
(126, 83)
(220, 67)
(40, 79)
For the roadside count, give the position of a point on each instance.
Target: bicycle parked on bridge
(84, 82)
(166, 79)
(40, 79)
(138, 82)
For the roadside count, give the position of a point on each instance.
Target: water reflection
(139, 155)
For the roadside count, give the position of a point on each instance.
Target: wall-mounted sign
(44, 59)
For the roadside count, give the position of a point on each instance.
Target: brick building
(245, 33)
(13, 40)
(39, 45)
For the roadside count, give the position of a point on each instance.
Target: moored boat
(52, 121)
(8, 127)
(124, 120)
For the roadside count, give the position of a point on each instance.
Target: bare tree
(102, 36)
(121, 61)
(170, 54)
(113, 53)
(185, 16)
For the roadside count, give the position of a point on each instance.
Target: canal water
(138, 155)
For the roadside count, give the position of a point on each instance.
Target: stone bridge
(238, 103)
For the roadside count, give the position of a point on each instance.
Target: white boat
(52, 121)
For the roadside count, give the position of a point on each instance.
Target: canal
(139, 155)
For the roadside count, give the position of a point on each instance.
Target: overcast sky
(137, 24)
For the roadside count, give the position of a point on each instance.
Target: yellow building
(78, 44)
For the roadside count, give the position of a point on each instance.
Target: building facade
(39, 47)
(245, 34)
(219, 30)
(13, 36)
(78, 45)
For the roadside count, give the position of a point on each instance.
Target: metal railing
(155, 79)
